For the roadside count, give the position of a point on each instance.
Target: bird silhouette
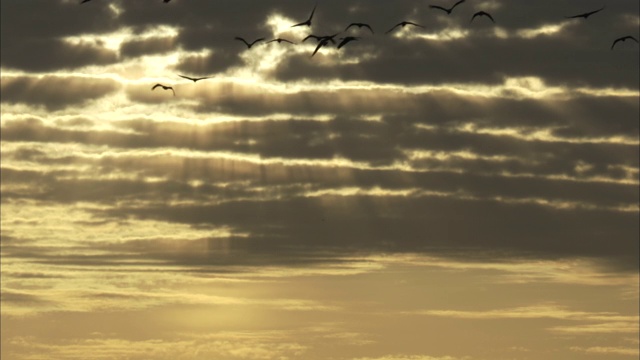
(585, 15)
(84, 1)
(166, 1)
(249, 45)
(193, 79)
(623, 39)
(347, 39)
(308, 21)
(482, 13)
(449, 10)
(403, 24)
(359, 25)
(164, 87)
(279, 40)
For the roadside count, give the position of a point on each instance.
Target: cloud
(607, 350)
(60, 54)
(529, 312)
(155, 45)
(55, 92)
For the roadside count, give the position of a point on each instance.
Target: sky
(454, 190)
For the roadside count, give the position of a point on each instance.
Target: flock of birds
(324, 40)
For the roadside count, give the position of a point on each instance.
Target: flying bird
(482, 13)
(308, 21)
(403, 24)
(347, 39)
(359, 25)
(166, 1)
(585, 15)
(279, 40)
(449, 10)
(84, 1)
(623, 39)
(193, 79)
(164, 87)
(249, 45)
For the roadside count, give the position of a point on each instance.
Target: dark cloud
(43, 19)
(28, 55)
(431, 224)
(476, 59)
(156, 45)
(16, 298)
(33, 35)
(374, 143)
(55, 92)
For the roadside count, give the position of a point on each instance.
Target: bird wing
(346, 40)
(155, 86)
(368, 27)
(312, 12)
(438, 7)
(594, 11)
(188, 78)
(631, 37)
(255, 41)
(615, 42)
(310, 36)
(285, 40)
(489, 16)
(350, 25)
(476, 14)
(243, 40)
(458, 3)
(173, 91)
(388, 31)
(320, 44)
(414, 24)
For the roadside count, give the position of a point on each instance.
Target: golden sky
(455, 190)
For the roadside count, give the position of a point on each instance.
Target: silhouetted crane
(249, 45)
(359, 25)
(623, 39)
(308, 21)
(449, 10)
(403, 24)
(482, 13)
(164, 87)
(279, 40)
(194, 79)
(585, 15)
